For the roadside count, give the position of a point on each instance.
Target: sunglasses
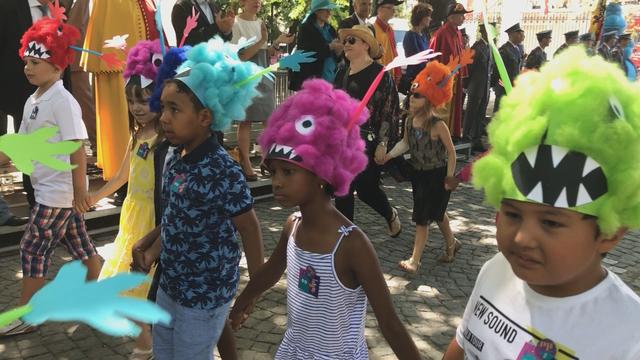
(349, 40)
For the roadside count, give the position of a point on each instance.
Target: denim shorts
(192, 333)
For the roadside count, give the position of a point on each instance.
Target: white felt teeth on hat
(37, 50)
(285, 152)
(557, 154)
(557, 176)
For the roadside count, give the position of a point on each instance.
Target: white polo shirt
(56, 107)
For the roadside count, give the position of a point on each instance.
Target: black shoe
(118, 200)
(16, 221)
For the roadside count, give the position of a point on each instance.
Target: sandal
(264, 170)
(395, 224)
(410, 266)
(17, 327)
(450, 253)
(139, 354)
(251, 177)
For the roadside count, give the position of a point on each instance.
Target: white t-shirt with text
(506, 319)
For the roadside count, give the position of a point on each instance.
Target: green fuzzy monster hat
(568, 137)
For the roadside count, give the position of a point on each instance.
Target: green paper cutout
(14, 314)
(492, 34)
(23, 149)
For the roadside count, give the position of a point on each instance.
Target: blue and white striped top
(325, 318)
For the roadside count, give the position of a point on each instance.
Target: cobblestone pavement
(430, 303)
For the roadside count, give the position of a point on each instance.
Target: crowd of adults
(349, 57)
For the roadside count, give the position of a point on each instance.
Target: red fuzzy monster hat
(50, 39)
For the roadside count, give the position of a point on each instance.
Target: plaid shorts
(47, 227)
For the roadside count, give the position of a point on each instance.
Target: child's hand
(451, 183)
(142, 260)
(92, 198)
(137, 260)
(81, 201)
(239, 314)
(380, 154)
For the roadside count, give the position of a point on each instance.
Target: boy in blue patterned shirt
(206, 199)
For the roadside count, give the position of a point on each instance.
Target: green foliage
(285, 12)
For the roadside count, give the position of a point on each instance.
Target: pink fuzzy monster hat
(143, 62)
(312, 129)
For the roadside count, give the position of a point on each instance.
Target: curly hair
(419, 12)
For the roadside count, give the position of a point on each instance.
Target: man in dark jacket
(538, 57)
(15, 19)
(478, 90)
(586, 40)
(606, 46)
(617, 54)
(361, 12)
(570, 38)
(211, 22)
(512, 57)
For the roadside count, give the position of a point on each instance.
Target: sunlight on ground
(106, 250)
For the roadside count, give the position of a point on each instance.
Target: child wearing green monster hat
(564, 172)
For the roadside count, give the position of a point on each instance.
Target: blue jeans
(191, 334)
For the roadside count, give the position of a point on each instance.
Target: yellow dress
(137, 218)
(110, 18)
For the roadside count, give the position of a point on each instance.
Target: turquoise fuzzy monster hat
(217, 77)
(568, 137)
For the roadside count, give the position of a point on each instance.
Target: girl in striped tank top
(332, 268)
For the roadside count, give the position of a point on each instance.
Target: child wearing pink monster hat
(314, 151)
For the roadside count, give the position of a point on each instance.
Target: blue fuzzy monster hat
(613, 19)
(220, 80)
(170, 63)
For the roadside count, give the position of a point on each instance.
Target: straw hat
(365, 34)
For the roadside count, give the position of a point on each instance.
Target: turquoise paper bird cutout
(96, 303)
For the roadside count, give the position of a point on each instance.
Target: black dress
(429, 162)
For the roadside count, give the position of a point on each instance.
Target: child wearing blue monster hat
(206, 199)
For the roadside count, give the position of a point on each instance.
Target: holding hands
(240, 312)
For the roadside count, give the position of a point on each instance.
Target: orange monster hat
(435, 81)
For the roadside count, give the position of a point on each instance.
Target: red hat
(50, 39)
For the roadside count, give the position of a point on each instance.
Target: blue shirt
(414, 43)
(330, 65)
(202, 192)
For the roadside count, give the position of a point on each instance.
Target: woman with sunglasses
(433, 159)
(361, 49)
